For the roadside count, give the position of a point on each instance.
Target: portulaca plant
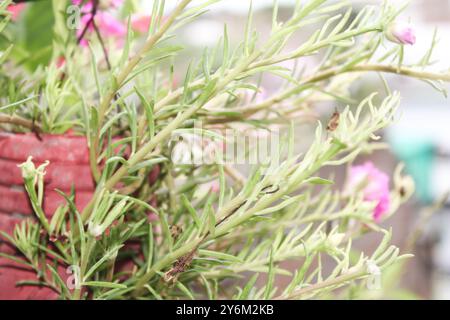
(218, 213)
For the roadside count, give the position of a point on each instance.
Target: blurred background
(420, 138)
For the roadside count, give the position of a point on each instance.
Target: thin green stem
(332, 72)
(30, 188)
(84, 263)
(123, 75)
(338, 281)
(318, 45)
(167, 131)
(225, 224)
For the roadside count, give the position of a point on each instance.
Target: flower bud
(336, 239)
(95, 230)
(373, 268)
(28, 169)
(404, 184)
(401, 32)
(374, 279)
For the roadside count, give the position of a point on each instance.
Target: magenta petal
(376, 188)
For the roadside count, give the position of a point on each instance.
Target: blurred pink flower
(103, 3)
(375, 184)
(60, 62)
(214, 186)
(402, 33)
(16, 10)
(140, 23)
(108, 25)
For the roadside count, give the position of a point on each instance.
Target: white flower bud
(95, 230)
(372, 268)
(336, 239)
(28, 169)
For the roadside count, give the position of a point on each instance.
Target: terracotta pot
(69, 166)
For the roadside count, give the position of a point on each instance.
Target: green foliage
(196, 241)
(34, 35)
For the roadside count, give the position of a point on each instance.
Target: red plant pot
(69, 166)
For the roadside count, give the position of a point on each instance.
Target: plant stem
(324, 284)
(167, 131)
(19, 121)
(84, 263)
(223, 215)
(235, 175)
(102, 44)
(93, 13)
(316, 46)
(123, 75)
(30, 188)
(265, 202)
(332, 72)
(410, 72)
(134, 61)
(161, 264)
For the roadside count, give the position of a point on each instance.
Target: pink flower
(214, 186)
(140, 23)
(108, 25)
(103, 3)
(402, 33)
(16, 10)
(114, 3)
(374, 184)
(60, 62)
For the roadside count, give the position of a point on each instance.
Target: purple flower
(402, 33)
(374, 184)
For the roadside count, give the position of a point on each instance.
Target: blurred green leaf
(36, 34)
